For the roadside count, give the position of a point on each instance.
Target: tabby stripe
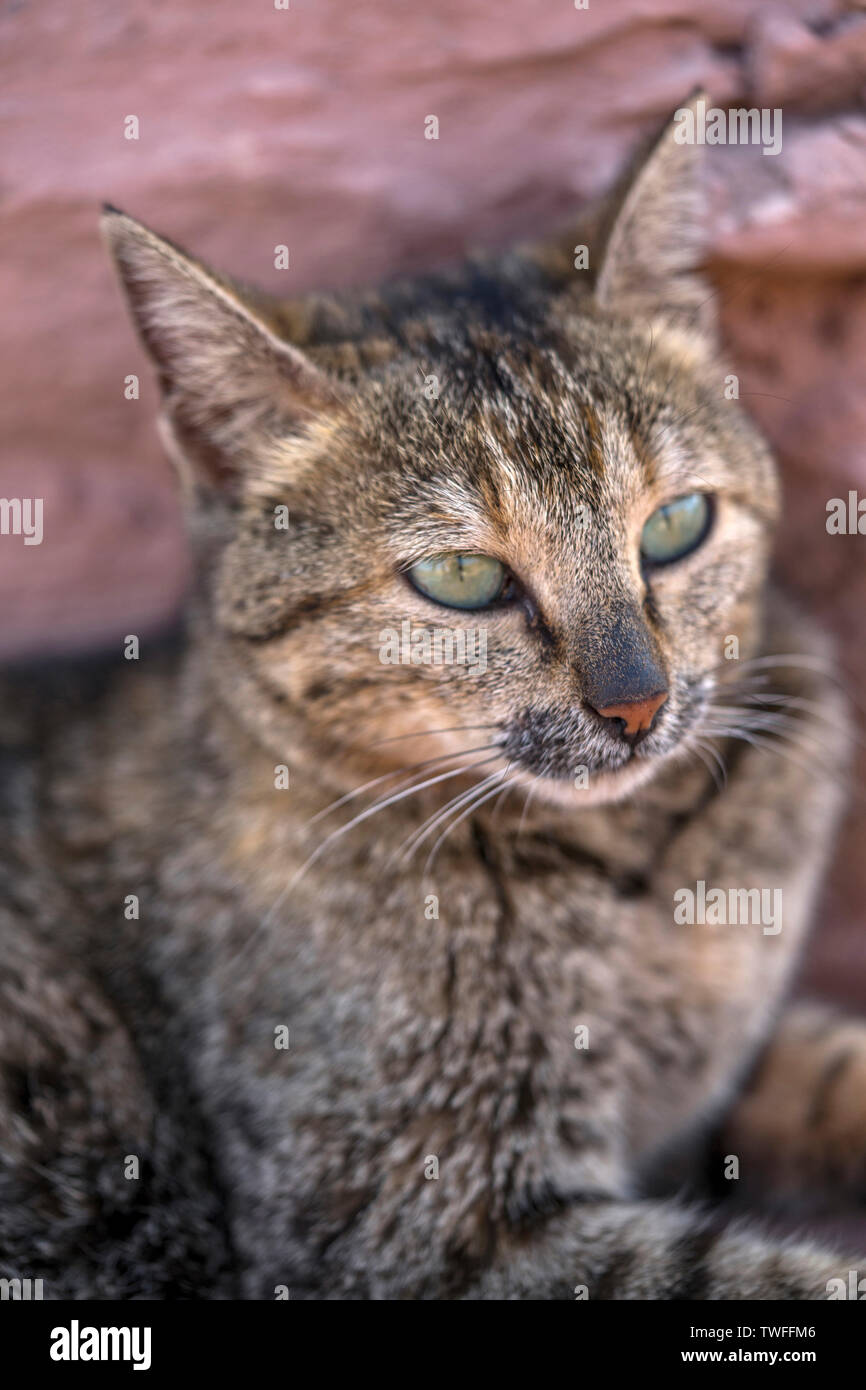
(693, 1253)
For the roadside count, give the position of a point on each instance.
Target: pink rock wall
(305, 126)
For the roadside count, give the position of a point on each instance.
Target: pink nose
(638, 715)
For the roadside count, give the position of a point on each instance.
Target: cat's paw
(800, 1126)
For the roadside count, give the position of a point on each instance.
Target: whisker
(759, 718)
(770, 745)
(428, 733)
(809, 706)
(396, 772)
(774, 722)
(842, 679)
(526, 804)
(411, 843)
(694, 746)
(782, 734)
(755, 739)
(702, 747)
(380, 806)
(470, 810)
(502, 797)
(778, 659)
(803, 660)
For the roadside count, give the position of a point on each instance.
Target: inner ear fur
(227, 380)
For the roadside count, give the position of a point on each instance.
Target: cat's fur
(413, 1036)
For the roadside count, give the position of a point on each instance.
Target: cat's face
(462, 547)
(551, 469)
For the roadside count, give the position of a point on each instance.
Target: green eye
(676, 528)
(460, 581)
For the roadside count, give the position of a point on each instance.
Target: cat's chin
(601, 788)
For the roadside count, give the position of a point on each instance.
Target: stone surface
(261, 126)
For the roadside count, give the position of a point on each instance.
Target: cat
(332, 977)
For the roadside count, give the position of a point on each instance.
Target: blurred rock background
(261, 126)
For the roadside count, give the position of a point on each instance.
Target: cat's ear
(227, 379)
(656, 233)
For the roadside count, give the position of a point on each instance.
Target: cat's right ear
(228, 381)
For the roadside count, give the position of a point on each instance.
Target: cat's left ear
(228, 380)
(657, 233)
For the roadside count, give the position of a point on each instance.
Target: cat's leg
(102, 1196)
(800, 1124)
(608, 1249)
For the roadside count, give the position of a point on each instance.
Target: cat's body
(487, 1053)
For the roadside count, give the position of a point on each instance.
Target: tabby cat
(336, 976)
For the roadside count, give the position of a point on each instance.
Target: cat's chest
(465, 1043)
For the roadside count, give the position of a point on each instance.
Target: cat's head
(520, 517)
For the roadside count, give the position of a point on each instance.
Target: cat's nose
(623, 679)
(633, 718)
